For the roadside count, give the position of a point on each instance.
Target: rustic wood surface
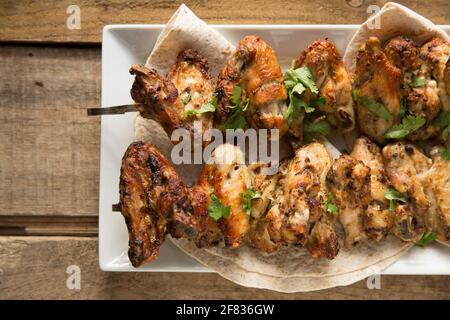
(34, 267)
(49, 149)
(46, 20)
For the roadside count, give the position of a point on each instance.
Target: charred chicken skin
(173, 100)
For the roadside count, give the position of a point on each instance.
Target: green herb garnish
(403, 108)
(186, 98)
(427, 238)
(296, 82)
(443, 121)
(394, 196)
(330, 206)
(375, 107)
(355, 95)
(409, 124)
(236, 119)
(247, 198)
(320, 101)
(205, 107)
(316, 129)
(217, 210)
(417, 81)
(445, 153)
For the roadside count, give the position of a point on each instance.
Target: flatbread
(186, 31)
(395, 20)
(292, 269)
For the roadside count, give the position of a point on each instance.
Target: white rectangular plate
(124, 45)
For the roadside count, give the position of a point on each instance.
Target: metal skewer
(113, 110)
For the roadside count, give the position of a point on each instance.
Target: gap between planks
(81, 226)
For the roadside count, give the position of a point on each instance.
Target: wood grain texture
(49, 148)
(35, 267)
(29, 20)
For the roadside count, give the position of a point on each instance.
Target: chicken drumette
(376, 90)
(254, 68)
(333, 81)
(174, 101)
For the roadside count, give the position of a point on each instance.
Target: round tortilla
(292, 269)
(394, 20)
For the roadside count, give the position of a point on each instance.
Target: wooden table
(49, 148)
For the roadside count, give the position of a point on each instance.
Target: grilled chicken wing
(332, 80)
(266, 186)
(437, 187)
(376, 220)
(407, 167)
(295, 203)
(377, 80)
(172, 101)
(349, 181)
(254, 67)
(154, 201)
(435, 56)
(421, 73)
(230, 180)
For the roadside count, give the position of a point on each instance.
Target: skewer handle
(112, 110)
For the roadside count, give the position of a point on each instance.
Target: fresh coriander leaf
(445, 153)
(355, 95)
(409, 124)
(442, 120)
(417, 81)
(299, 88)
(236, 96)
(206, 107)
(320, 101)
(394, 196)
(427, 238)
(445, 132)
(375, 107)
(313, 130)
(217, 210)
(296, 82)
(247, 198)
(330, 206)
(236, 120)
(186, 98)
(403, 108)
(305, 77)
(295, 108)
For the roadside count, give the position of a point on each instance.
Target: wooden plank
(29, 20)
(18, 225)
(49, 148)
(35, 267)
